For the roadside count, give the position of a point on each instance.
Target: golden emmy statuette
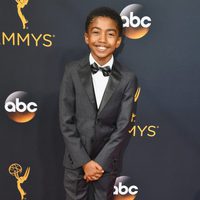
(133, 117)
(15, 170)
(20, 5)
(136, 97)
(137, 94)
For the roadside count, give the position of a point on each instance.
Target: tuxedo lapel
(113, 82)
(86, 80)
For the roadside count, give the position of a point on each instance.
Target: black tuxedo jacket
(91, 133)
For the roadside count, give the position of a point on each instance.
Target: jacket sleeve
(67, 119)
(115, 144)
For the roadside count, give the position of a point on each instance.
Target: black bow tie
(105, 70)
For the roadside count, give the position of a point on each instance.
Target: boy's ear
(86, 37)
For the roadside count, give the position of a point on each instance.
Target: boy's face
(102, 38)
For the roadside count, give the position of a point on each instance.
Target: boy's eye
(111, 34)
(95, 32)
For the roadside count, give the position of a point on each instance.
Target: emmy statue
(15, 169)
(20, 5)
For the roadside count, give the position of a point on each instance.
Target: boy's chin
(103, 56)
(103, 60)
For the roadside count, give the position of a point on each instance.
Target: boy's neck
(108, 63)
(101, 62)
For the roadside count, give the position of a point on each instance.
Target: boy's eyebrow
(110, 29)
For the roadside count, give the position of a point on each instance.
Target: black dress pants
(78, 189)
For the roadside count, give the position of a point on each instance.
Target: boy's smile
(102, 38)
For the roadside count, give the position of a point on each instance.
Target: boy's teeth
(102, 48)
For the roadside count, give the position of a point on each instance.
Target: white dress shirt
(99, 80)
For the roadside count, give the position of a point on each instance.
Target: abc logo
(19, 107)
(124, 189)
(135, 23)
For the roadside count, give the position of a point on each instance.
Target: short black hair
(105, 12)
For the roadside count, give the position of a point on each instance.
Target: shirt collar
(109, 63)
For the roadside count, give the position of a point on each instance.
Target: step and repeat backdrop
(161, 44)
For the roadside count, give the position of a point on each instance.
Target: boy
(96, 102)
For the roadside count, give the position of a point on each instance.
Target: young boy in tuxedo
(96, 102)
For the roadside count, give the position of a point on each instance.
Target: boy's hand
(93, 171)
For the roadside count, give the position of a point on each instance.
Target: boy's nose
(102, 37)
